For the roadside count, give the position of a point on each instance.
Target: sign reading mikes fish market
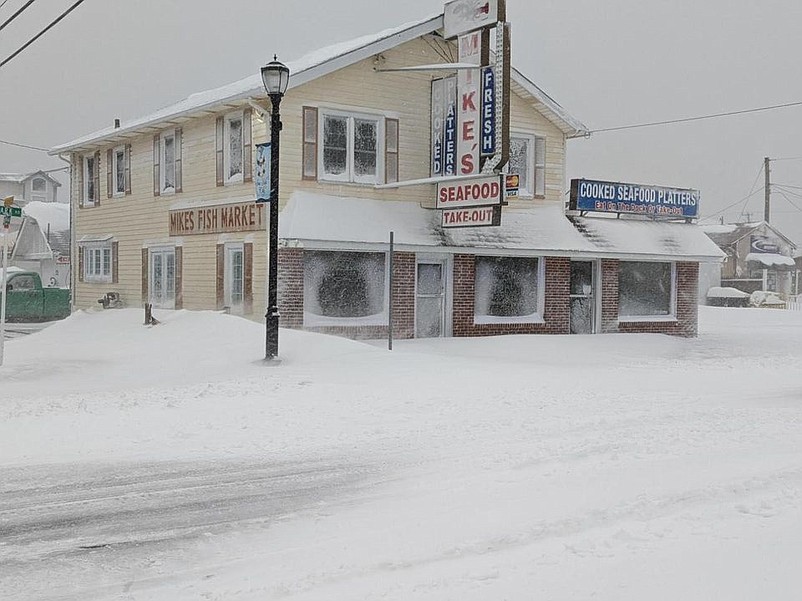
(615, 197)
(219, 219)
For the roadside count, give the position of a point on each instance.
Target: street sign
(11, 211)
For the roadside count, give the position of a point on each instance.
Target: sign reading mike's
(636, 199)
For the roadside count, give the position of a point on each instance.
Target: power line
(787, 159)
(16, 14)
(752, 192)
(18, 145)
(41, 33)
(788, 186)
(700, 118)
(793, 204)
(3, 4)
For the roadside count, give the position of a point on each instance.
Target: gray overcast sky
(608, 63)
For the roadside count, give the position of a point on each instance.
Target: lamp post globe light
(276, 79)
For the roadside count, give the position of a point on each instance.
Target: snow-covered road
(608, 467)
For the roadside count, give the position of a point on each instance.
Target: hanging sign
(477, 217)
(462, 16)
(444, 126)
(488, 112)
(474, 192)
(469, 102)
(512, 184)
(615, 197)
(261, 175)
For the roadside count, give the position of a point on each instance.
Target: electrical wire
(16, 14)
(752, 192)
(3, 4)
(787, 159)
(791, 202)
(41, 33)
(18, 145)
(700, 118)
(788, 186)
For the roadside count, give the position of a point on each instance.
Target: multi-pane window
(645, 289)
(528, 161)
(119, 170)
(97, 263)
(234, 153)
(351, 147)
(507, 288)
(235, 277)
(162, 278)
(90, 191)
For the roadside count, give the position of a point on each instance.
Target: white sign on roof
(462, 16)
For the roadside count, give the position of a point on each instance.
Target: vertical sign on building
(488, 112)
(261, 175)
(469, 103)
(444, 126)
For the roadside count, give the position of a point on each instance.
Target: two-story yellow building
(165, 212)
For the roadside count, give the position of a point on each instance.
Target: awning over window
(770, 261)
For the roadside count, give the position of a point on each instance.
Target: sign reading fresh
(638, 199)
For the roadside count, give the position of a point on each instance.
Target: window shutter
(247, 259)
(179, 153)
(157, 175)
(218, 145)
(128, 169)
(540, 167)
(179, 277)
(97, 179)
(391, 150)
(109, 173)
(247, 146)
(79, 177)
(145, 278)
(310, 143)
(81, 250)
(115, 262)
(221, 265)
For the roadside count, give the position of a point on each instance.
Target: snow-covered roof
(770, 260)
(54, 214)
(728, 234)
(308, 68)
(649, 239)
(31, 244)
(320, 221)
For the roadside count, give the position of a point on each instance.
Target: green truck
(27, 300)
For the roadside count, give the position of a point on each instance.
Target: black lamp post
(276, 78)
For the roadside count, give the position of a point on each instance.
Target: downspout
(73, 243)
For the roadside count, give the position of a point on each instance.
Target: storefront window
(506, 287)
(344, 285)
(645, 289)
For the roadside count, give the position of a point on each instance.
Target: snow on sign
(478, 217)
(616, 197)
(462, 16)
(478, 192)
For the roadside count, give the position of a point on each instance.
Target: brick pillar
(688, 299)
(557, 301)
(403, 295)
(464, 287)
(609, 292)
(291, 287)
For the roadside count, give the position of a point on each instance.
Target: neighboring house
(759, 257)
(29, 187)
(41, 242)
(165, 213)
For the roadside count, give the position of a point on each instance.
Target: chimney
(116, 124)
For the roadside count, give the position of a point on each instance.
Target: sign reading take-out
(218, 219)
(474, 192)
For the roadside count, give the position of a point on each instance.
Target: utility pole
(767, 171)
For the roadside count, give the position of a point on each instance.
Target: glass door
(162, 278)
(583, 301)
(235, 278)
(430, 300)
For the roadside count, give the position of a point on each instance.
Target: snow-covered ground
(167, 463)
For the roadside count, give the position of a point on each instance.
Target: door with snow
(162, 278)
(234, 284)
(583, 301)
(430, 299)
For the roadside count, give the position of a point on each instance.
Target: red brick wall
(609, 292)
(291, 298)
(556, 310)
(687, 322)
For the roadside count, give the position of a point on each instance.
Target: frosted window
(520, 157)
(644, 289)
(234, 147)
(506, 286)
(364, 147)
(335, 145)
(344, 284)
(89, 180)
(352, 148)
(39, 185)
(119, 171)
(169, 163)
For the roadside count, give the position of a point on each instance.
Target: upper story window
(343, 146)
(39, 189)
(167, 161)
(118, 171)
(233, 152)
(89, 186)
(528, 161)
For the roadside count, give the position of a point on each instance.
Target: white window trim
(154, 250)
(348, 177)
(227, 119)
(534, 318)
(114, 158)
(88, 250)
(227, 275)
(380, 319)
(88, 202)
(671, 317)
(447, 261)
(532, 165)
(165, 190)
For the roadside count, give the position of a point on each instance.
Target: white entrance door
(162, 278)
(430, 299)
(234, 280)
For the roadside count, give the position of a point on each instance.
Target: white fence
(794, 305)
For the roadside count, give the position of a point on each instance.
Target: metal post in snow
(3, 291)
(390, 303)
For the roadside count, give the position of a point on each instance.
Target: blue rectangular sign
(261, 175)
(636, 199)
(488, 112)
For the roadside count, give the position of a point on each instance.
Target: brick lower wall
(556, 309)
(291, 287)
